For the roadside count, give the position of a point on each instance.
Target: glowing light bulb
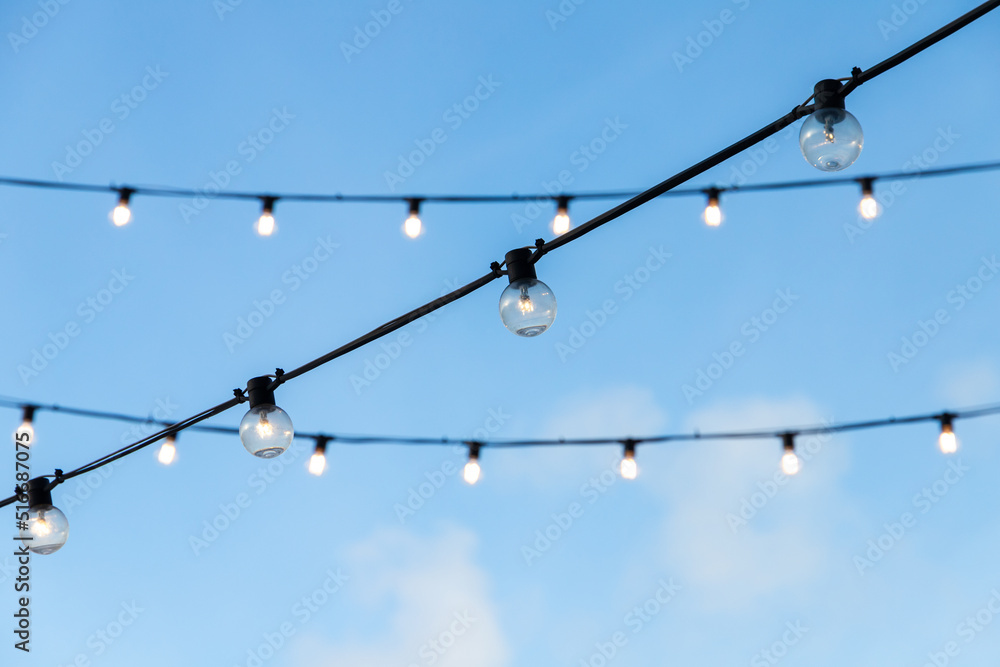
(25, 433)
(317, 462)
(628, 467)
(168, 450)
(413, 226)
(831, 138)
(713, 214)
(122, 214)
(265, 223)
(869, 206)
(947, 442)
(46, 528)
(789, 460)
(471, 471)
(561, 223)
(527, 305)
(266, 430)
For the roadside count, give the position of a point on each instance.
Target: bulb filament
(524, 303)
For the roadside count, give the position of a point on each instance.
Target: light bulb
(869, 206)
(789, 460)
(317, 462)
(122, 214)
(628, 467)
(713, 214)
(413, 226)
(46, 527)
(527, 305)
(265, 223)
(947, 442)
(471, 471)
(831, 138)
(560, 223)
(266, 430)
(25, 433)
(168, 450)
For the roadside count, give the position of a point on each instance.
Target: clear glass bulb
(317, 463)
(560, 223)
(47, 528)
(121, 215)
(471, 471)
(869, 207)
(789, 463)
(167, 452)
(266, 431)
(831, 139)
(713, 215)
(628, 468)
(947, 442)
(413, 227)
(527, 307)
(25, 427)
(265, 224)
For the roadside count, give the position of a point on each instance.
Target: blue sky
(326, 569)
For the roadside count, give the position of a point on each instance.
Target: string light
(628, 467)
(471, 471)
(25, 433)
(561, 223)
(789, 460)
(265, 223)
(527, 305)
(47, 528)
(869, 206)
(266, 430)
(947, 442)
(713, 214)
(830, 138)
(122, 214)
(168, 450)
(413, 227)
(317, 462)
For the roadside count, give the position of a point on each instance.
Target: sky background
(460, 563)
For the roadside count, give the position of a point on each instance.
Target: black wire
(572, 235)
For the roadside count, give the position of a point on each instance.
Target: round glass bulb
(831, 139)
(25, 428)
(628, 468)
(266, 431)
(560, 223)
(789, 463)
(121, 215)
(47, 528)
(265, 224)
(947, 441)
(527, 307)
(471, 472)
(413, 226)
(869, 207)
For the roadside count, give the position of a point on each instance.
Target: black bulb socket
(519, 265)
(826, 95)
(259, 391)
(38, 492)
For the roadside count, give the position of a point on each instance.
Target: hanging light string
(541, 247)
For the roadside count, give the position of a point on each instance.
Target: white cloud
(439, 600)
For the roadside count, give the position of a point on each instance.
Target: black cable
(572, 235)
